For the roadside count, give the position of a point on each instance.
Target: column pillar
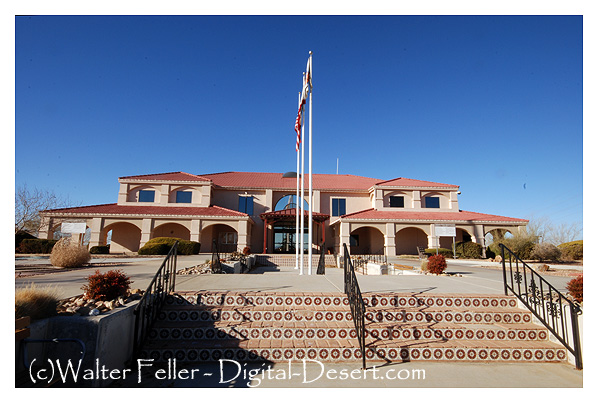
(390, 239)
(194, 234)
(344, 230)
(147, 225)
(96, 231)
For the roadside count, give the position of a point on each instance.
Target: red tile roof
(460, 216)
(174, 176)
(114, 209)
(407, 182)
(276, 181)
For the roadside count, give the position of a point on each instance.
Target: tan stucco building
(257, 210)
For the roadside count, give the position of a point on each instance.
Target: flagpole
(297, 208)
(311, 200)
(301, 202)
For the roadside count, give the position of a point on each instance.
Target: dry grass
(36, 302)
(68, 255)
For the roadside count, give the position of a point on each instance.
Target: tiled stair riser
(255, 326)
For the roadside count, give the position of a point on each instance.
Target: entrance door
(285, 239)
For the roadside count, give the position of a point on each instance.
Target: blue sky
(491, 103)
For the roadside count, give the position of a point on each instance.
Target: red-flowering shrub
(246, 251)
(436, 264)
(575, 288)
(106, 286)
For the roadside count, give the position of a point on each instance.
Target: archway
(171, 230)
(125, 237)
(460, 235)
(225, 236)
(408, 239)
(366, 240)
(289, 202)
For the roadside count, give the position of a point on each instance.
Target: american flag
(298, 126)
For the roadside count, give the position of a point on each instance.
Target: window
(354, 240)
(183, 196)
(145, 196)
(338, 207)
(396, 201)
(227, 238)
(246, 205)
(431, 202)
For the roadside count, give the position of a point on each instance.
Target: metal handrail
(215, 264)
(362, 260)
(151, 302)
(321, 266)
(356, 303)
(544, 301)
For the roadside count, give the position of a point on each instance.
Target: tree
(28, 204)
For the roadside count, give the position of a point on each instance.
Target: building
(257, 210)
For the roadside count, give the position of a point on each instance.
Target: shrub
(423, 266)
(246, 251)
(162, 245)
(68, 255)
(490, 253)
(571, 250)
(545, 252)
(100, 249)
(36, 302)
(20, 236)
(436, 264)
(468, 249)
(106, 286)
(442, 251)
(36, 246)
(519, 244)
(575, 288)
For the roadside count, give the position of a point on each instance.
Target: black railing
(356, 303)
(215, 264)
(151, 302)
(361, 261)
(548, 304)
(320, 269)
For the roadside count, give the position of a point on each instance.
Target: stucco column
(45, 228)
(96, 227)
(479, 237)
(147, 225)
(344, 230)
(242, 234)
(390, 239)
(432, 239)
(194, 234)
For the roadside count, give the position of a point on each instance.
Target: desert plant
(571, 250)
(36, 246)
(106, 286)
(68, 255)
(545, 252)
(520, 244)
(36, 302)
(436, 264)
(162, 245)
(468, 249)
(423, 266)
(246, 251)
(575, 288)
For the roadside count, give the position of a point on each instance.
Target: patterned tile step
(310, 330)
(263, 313)
(336, 299)
(422, 350)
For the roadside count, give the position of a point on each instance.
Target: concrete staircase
(260, 326)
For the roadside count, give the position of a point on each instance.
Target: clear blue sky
(491, 103)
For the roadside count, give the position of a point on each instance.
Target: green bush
(468, 249)
(20, 236)
(519, 244)
(490, 253)
(571, 250)
(100, 249)
(162, 245)
(36, 246)
(447, 253)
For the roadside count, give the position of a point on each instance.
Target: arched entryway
(225, 236)
(171, 230)
(460, 235)
(408, 239)
(124, 237)
(366, 240)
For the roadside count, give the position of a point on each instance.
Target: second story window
(246, 205)
(338, 206)
(183, 196)
(432, 202)
(396, 201)
(145, 196)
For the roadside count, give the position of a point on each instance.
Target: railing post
(503, 266)
(574, 310)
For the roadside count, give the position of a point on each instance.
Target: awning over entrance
(284, 222)
(287, 214)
